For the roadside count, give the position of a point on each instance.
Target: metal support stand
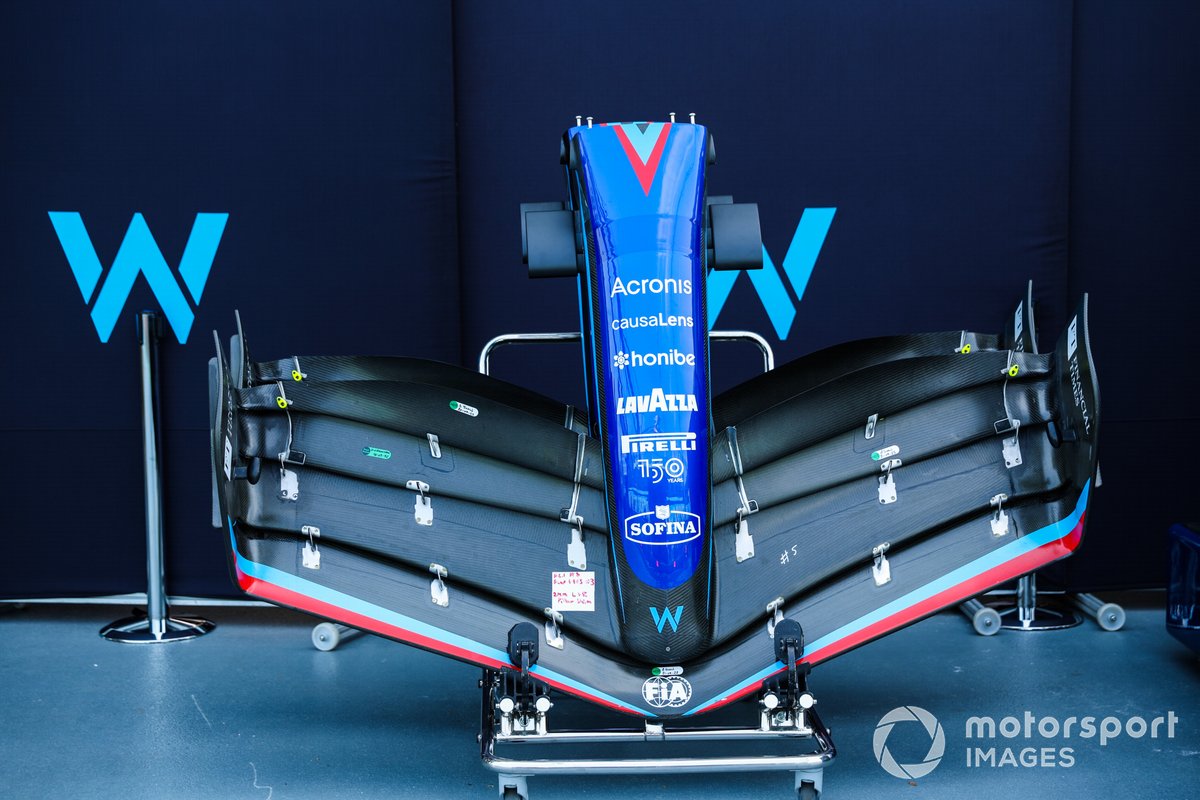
(156, 625)
(485, 355)
(327, 636)
(504, 726)
(1026, 615)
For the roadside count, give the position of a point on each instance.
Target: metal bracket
(881, 570)
(887, 484)
(310, 556)
(1000, 518)
(435, 447)
(774, 615)
(485, 355)
(964, 346)
(872, 421)
(553, 631)
(289, 485)
(1010, 445)
(1013, 369)
(743, 541)
(422, 505)
(438, 592)
(576, 552)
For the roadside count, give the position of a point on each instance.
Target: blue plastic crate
(1183, 589)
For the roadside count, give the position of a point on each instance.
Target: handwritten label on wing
(573, 591)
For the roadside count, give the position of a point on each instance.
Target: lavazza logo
(656, 401)
(1025, 741)
(672, 358)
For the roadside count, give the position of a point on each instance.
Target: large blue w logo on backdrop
(798, 265)
(139, 254)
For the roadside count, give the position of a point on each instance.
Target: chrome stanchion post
(156, 625)
(1029, 616)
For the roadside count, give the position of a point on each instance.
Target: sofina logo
(937, 742)
(768, 283)
(662, 527)
(139, 255)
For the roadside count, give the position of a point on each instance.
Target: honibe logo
(139, 255)
(768, 282)
(937, 742)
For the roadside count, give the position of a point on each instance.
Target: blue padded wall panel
(324, 131)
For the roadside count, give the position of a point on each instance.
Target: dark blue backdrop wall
(371, 158)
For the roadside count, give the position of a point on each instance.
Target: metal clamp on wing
(881, 570)
(887, 484)
(1011, 445)
(310, 556)
(576, 552)
(1000, 518)
(774, 615)
(297, 374)
(438, 592)
(422, 505)
(553, 631)
(744, 543)
(289, 483)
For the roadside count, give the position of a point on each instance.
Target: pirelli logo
(658, 442)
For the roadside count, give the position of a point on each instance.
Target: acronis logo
(139, 255)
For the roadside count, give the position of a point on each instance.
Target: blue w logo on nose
(666, 616)
(797, 265)
(139, 254)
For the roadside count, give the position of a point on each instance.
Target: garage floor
(254, 711)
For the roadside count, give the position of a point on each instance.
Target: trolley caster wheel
(513, 787)
(1110, 617)
(986, 622)
(808, 784)
(326, 636)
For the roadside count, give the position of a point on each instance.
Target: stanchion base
(1044, 619)
(137, 630)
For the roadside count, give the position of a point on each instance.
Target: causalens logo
(768, 283)
(139, 255)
